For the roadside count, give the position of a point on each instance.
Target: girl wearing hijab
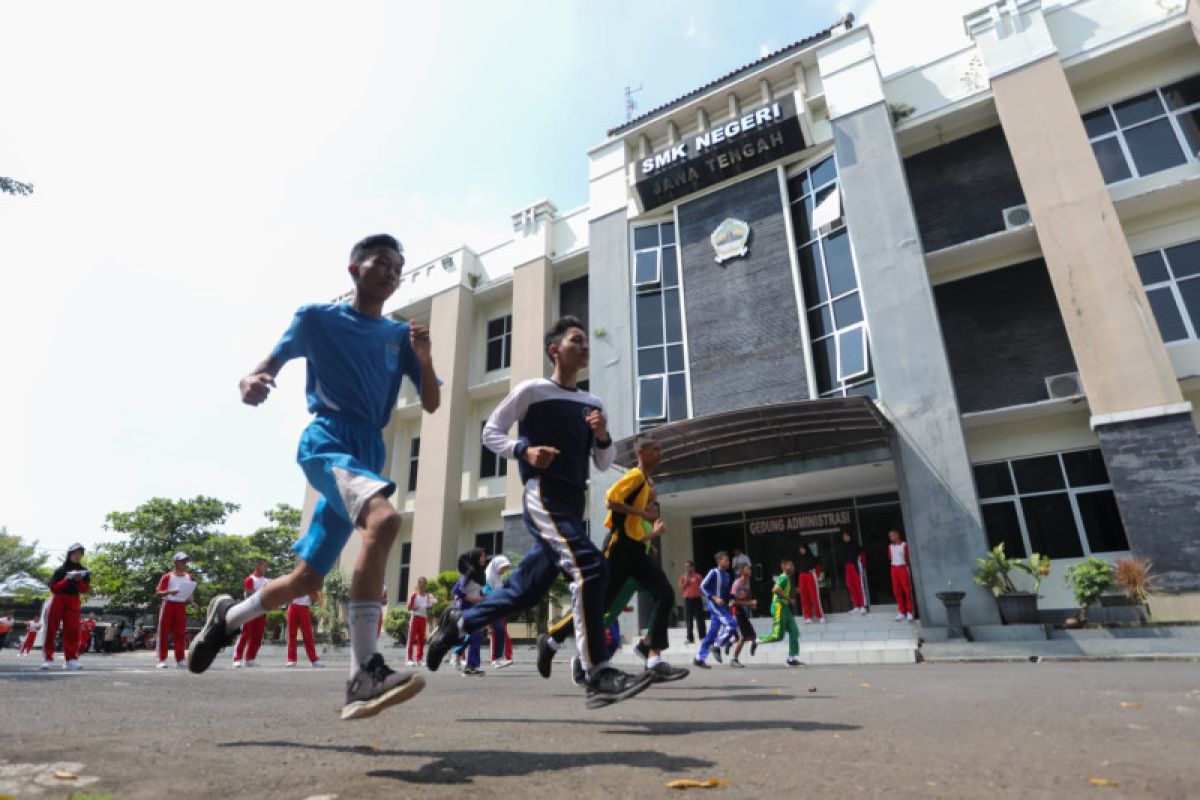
(468, 591)
(808, 575)
(66, 585)
(501, 645)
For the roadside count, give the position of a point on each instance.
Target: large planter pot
(1018, 608)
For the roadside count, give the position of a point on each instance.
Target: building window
(658, 321)
(492, 542)
(499, 343)
(414, 453)
(1172, 280)
(1148, 133)
(829, 281)
(405, 561)
(1061, 505)
(491, 465)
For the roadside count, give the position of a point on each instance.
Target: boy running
(356, 359)
(722, 628)
(742, 604)
(630, 507)
(558, 427)
(781, 613)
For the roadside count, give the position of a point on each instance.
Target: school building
(962, 300)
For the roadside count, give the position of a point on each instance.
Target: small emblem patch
(731, 239)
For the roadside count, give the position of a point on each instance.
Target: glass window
(649, 319)
(848, 310)
(1144, 134)
(1183, 94)
(1166, 311)
(414, 454)
(1002, 526)
(1138, 109)
(820, 321)
(672, 316)
(670, 267)
(825, 364)
(1111, 158)
(1085, 468)
(1102, 521)
(651, 398)
(839, 264)
(677, 396)
(1174, 293)
(645, 236)
(499, 343)
(491, 465)
(1184, 259)
(651, 361)
(993, 480)
(659, 318)
(1050, 523)
(667, 232)
(1038, 474)
(812, 276)
(1154, 147)
(1189, 123)
(1099, 122)
(852, 353)
(675, 358)
(1189, 291)
(646, 268)
(1152, 267)
(824, 172)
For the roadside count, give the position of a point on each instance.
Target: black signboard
(799, 522)
(756, 138)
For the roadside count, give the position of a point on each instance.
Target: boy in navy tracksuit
(559, 426)
(717, 588)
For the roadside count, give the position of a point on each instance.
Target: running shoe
(213, 637)
(446, 636)
(545, 655)
(612, 686)
(698, 663)
(737, 664)
(578, 673)
(665, 673)
(716, 654)
(469, 671)
(376, 686)
(642, 649)
(793, 662)
(753, 646)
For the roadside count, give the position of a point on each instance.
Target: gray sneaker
(213, 637)
(376, 686)
(665, 673)
(612, 686)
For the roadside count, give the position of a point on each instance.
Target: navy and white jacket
(547, 415)
(717, 583)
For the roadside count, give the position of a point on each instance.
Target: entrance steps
(844, 639)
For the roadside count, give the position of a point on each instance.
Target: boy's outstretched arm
(256, 386)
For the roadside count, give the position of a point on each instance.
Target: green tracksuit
(781, 613)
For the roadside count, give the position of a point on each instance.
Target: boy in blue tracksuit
(559, 428)
(356, 359)
(717, 588)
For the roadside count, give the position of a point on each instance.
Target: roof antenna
(630, 105)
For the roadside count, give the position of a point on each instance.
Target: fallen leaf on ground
(688, 783)
(1131, 705)
(812, 688)
(865, 685)
(776, 691)
(64, 775)
(931, 783)
(754, 680)
(1094, 781)
(365, 748)
(418, 735)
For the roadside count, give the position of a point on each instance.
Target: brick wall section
(960, 189)
(743, 329)
(1004, 335)
(1154, 465)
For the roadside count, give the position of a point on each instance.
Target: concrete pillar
(1145, 428)
(937, 491)
(436, 517)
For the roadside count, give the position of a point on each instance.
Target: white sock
(363, 619)
(597, 669)
(653, 661)
(241, 613)
(553, 643)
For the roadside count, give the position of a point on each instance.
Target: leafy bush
(395, 624)
(1089, 579)
(994, 570)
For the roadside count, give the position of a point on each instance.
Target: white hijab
(494, 579)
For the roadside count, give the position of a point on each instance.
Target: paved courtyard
(1056, 730)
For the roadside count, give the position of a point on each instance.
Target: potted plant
(995, 573)
(1089, 579)
(1137, 583)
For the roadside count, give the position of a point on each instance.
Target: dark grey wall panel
(960, 189)
(1004, 335)
(743, 329)
(573, 299)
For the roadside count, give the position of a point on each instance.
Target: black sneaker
(794, 662)
(578, 673)
(446, 636)
(376, 686)
(469, 671)
(698, 663)
(716, 654)
(753, 646)
(545, 655)
(737, 664)
(642, 649)
(213, 637)
(665, 673)
(612, 686)
(728, 647)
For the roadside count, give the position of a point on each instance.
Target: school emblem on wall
(731, 239)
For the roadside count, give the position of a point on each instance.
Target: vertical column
(912, 372)
(1145, 428)
(436, 517)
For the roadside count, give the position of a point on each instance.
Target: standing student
(6, 626)
(356, 359)
(781, 613)
(854, 567)
(808, 582)
(299, 621)
(468, 592)
(66, 585)
(558, 427)
(85, 632)
(901, 575)
(499, 643)
(738, 560)
(172, 614)
(419, 603)
(716, 588)
(743, 603)
(31, 632)
(252, 632)
(693, 604)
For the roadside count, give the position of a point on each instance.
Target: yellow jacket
(632, 490)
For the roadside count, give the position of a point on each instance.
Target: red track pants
(64, 611)
(416, 636)
(810, 598)
(172, 621)
(299, 620)
(854, 584)
(902, 589)
(250, 639)
(27, 645)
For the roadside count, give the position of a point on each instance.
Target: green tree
(17, 556)
(274, 541)
(15, 187)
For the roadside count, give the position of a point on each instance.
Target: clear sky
(202, 170)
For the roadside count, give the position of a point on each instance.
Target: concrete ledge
(1006, 633)
(1189, 632)
(1065, 650)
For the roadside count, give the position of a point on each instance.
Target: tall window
(1061, 505)
(491, 465)
(499, 343)
(833, 303)
(492, 542)
(661, 369)
(414, 454)
(1172, 280)
(1148, 133)
(405, 561)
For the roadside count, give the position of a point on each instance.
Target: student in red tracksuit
(172, 614)
(299, 620)
(419, 603)
(854, 562)
(66, 585)
(808, 576)
(85, 632)
(251, 636)
(901, 576)
(30, 634)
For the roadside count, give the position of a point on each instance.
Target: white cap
(180, 556)
(74, 547)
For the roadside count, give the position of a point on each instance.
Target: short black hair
(558, 330)
(373, 244)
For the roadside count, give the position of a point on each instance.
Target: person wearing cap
(172, 614)
(66, 585)
(252, 632)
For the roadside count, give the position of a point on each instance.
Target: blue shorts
(341, 457)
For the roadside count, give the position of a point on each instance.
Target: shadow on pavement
(463, 766)
(681, 727)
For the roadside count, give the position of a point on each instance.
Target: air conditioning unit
(1063, 386)
(1016, 217)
